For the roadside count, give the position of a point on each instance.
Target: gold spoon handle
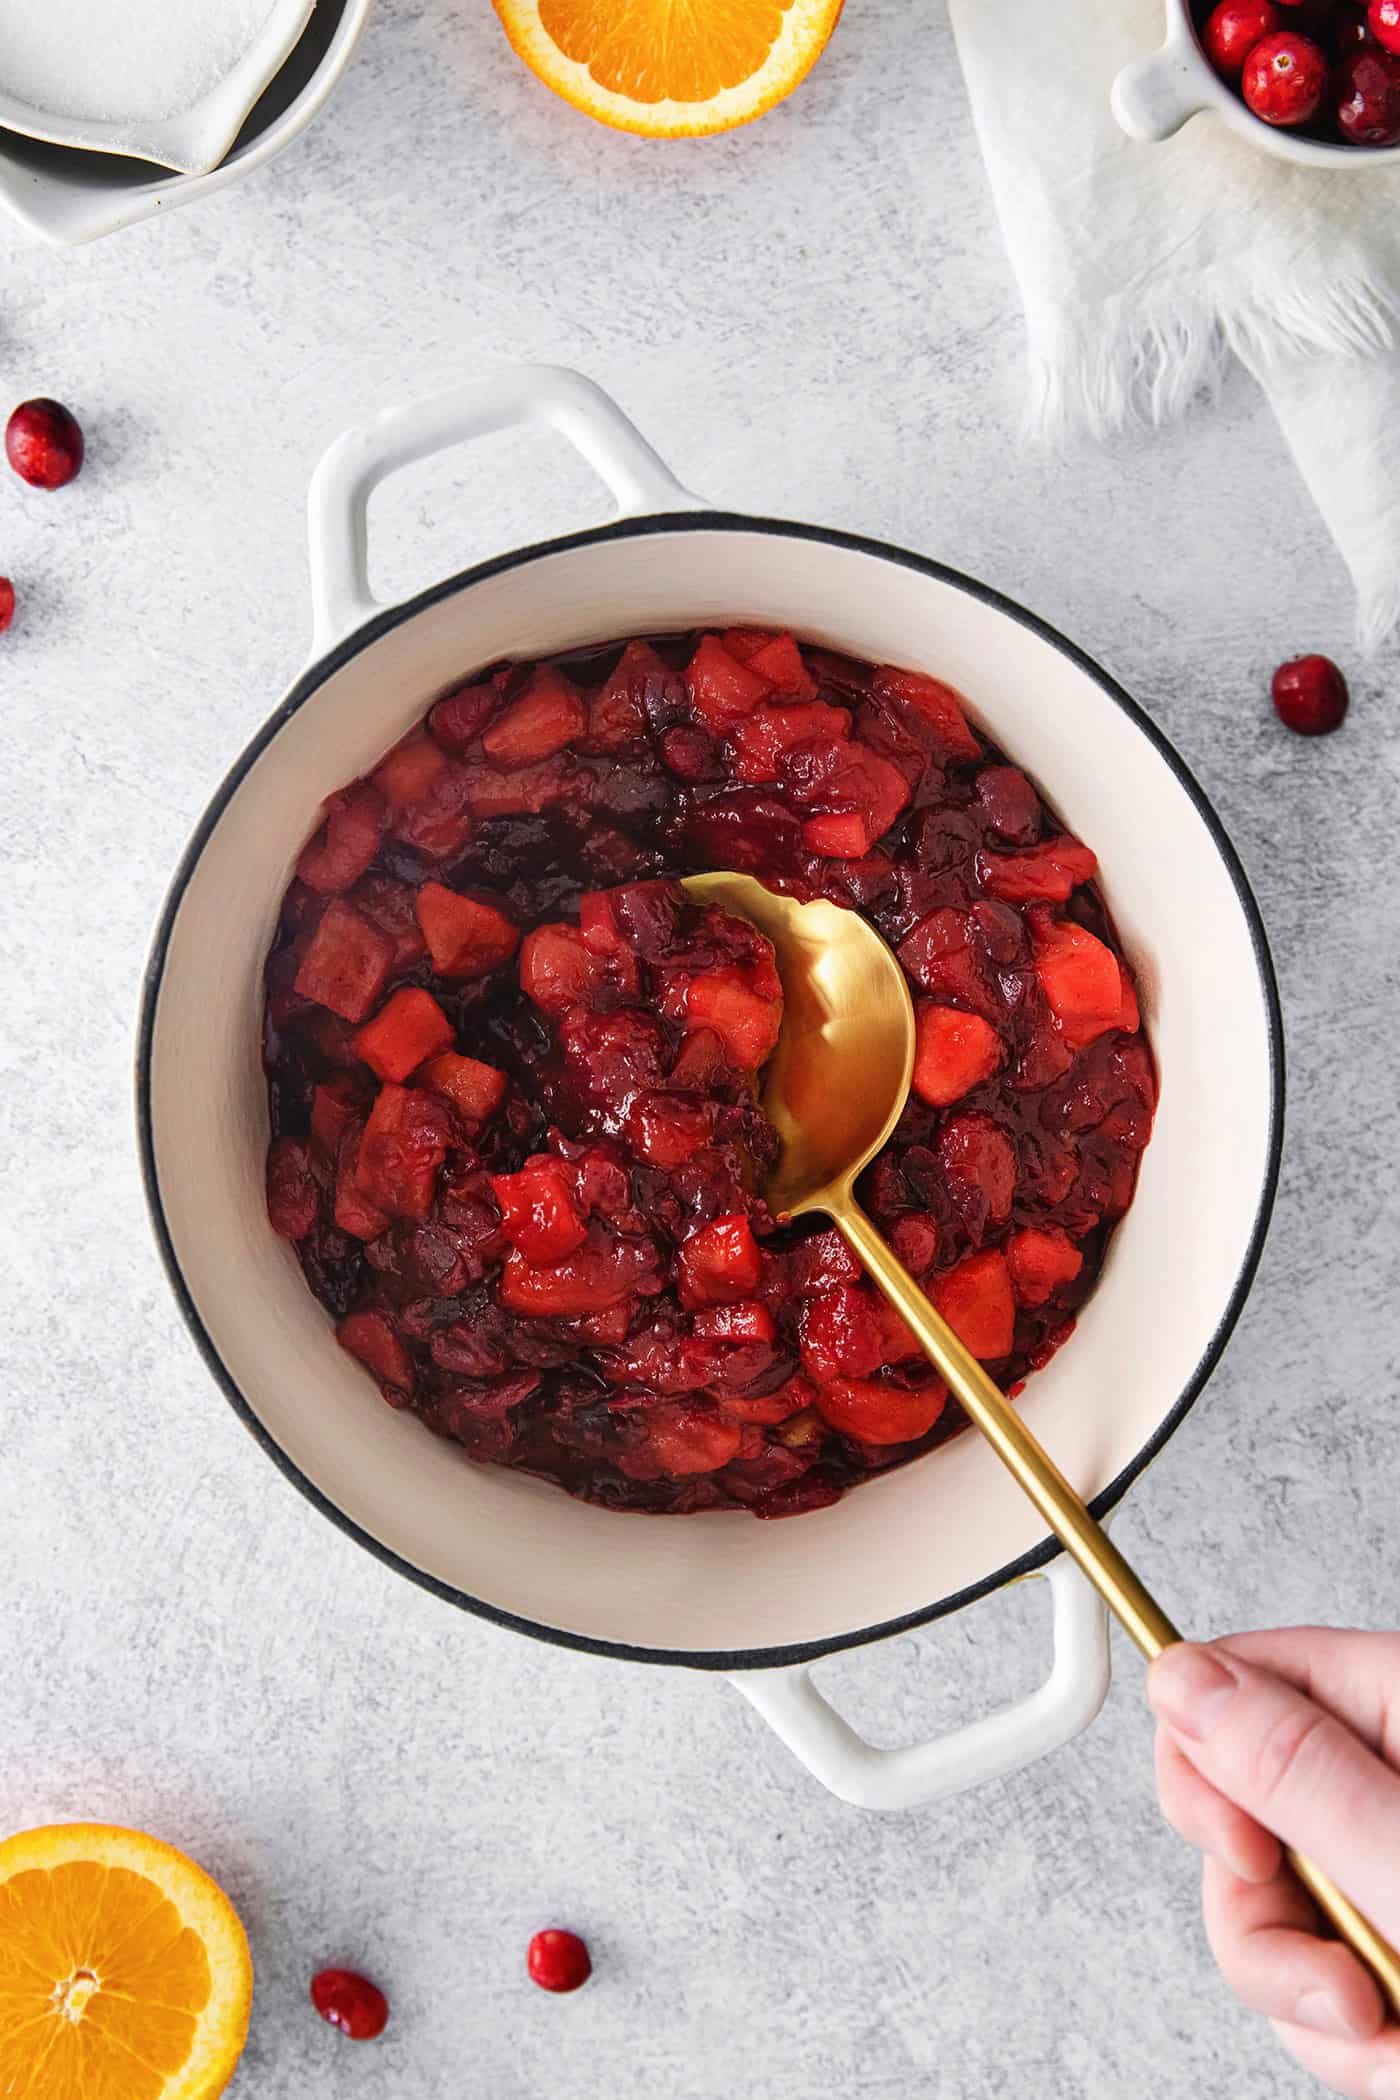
(1078, 1532)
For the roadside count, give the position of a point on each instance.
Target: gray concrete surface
(813, 317)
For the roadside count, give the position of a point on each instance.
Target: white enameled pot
(760, 1601)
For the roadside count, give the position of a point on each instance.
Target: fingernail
(1325, 2014)
(1190, 1688)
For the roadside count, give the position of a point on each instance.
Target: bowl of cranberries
(451, 1099)
(1314, 81)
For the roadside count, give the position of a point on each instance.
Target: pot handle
(1154, 96)
(1001, 1742)
(348, 474)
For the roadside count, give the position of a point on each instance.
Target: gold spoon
(834, 1091)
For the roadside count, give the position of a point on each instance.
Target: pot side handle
(348, 474)
(1154, 96)
(1000, 1743)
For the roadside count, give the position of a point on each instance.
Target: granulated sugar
(122, 59)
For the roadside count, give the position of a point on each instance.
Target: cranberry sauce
(514, 1070)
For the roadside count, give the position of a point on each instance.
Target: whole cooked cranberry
(558, 1961)
(1368, 98)
(7, 602)
(44, 444)
(1310, 695)
(1284, 78)
(1233, 29)
(351, 2003)
(1383, 21)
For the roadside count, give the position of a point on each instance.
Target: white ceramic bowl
(1156, 95)
(66, 197)
(718, 1591)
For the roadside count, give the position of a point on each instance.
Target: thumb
(1290, 1764)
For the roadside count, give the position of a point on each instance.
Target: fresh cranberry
(1284, 78)
(1368, 98)
(558, 1961)
(1233, 29)
(7, 602)
(351, 2003)
(44, 444)
(1310, 694)
(1383, 21)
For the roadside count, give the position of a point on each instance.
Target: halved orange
(670, 68)
(124, 1970)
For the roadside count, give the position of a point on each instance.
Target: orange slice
(124, 1971)
(670, 68)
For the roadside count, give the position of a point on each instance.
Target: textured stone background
(813, 317)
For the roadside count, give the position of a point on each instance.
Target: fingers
(1354, 1675)
(1207, 1820)
(1290, 1765)
(1360, 2070)
(1263, 1937)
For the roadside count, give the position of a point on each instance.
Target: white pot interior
(907, 1540)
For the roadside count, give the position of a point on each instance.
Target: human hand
(1295, 1735)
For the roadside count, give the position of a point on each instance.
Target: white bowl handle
(1001, 1742)
(338, 500)
(1154, 96)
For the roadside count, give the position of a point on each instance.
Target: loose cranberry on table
(1285, 78)
(1233, 29)
(558, 1961)
(515, 1072)
(1310, 695)
(7, 602)
(1368, 98)
(350, 2002)
(44, 444)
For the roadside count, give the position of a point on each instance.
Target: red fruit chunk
(745, 642)
(749, 1321)
(1284, 78)
(1012, 805)
(548, 716)
(936, 705)
(465, 936)
(677, 1440)
(838, 837)
(1367, 98)
(721, 1263)
(1310, 695)
(619, 710)
(43, 443)
(556, 970)
(410, 771)
(475, 1090)
(527, 789)
(334, 1107)
(1383, 21)
(1040, 1261)
(347, 963)
(1080, 978)
(839, 1335)
(1233, 29)
(293, 1197)
(914, 1238)
(721, 690)
(354, 1212)
(7, 602)
(537, 1210)
(955, 1052)
(428, 796)
(408, 1028)
(821, 1260)
(458, 719)
(881, 1414)
(372, 1337)
(602, 1273)
(747, 1021)
(347, 842)
(351, 2003)
(558, 1961)
(942, 957)
(405, 1143)
(1046, 873)
(975, 1299)
(898, 1341)
(779, 660)
(841, 780)
(980, 1163)
(761, 738)
(389, 905)
(666, 1132)
(768, 1409)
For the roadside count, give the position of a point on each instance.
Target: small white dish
(64, 198)
(192, 141)
(1154, 96)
